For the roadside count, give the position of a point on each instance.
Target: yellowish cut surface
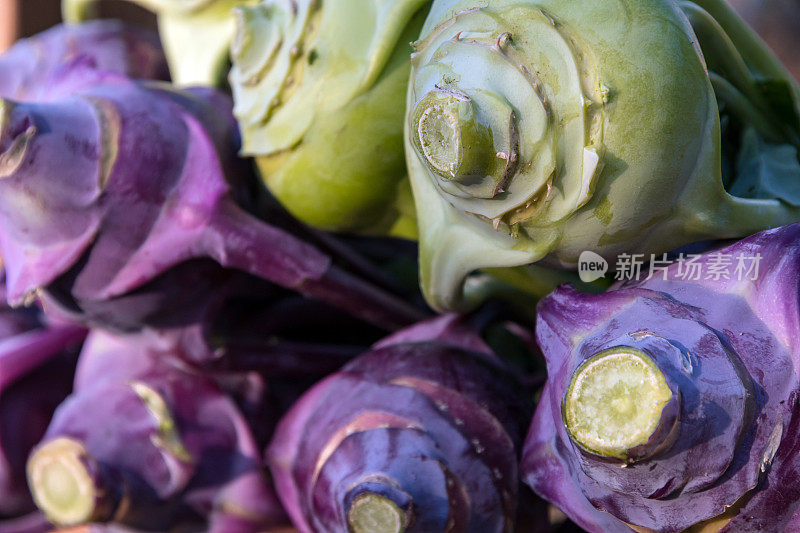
(614, 401)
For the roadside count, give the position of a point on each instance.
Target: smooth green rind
(614, 402)
(196, 34)
(372, 513)
(321, 108)
(618, 154)
(61, 486)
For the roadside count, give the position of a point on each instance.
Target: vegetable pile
(289, 273)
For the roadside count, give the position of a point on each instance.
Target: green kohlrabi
(537, 130)
(319, 88)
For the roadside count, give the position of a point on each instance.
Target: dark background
(37, 15)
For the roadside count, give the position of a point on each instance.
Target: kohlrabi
(110, 186)
(539, 129)
(27, 67)
(319, 89)
(672, 403)
(196, 34)
(37, 361)
(420, 434)
(151, 444)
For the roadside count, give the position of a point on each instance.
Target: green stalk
(743, 109)
(539, 281)
(719, 50)
(752, 48)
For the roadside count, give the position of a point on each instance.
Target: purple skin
(109, 358)
(115, 184)
(36, 365)
(420, 420)
(150, 466)
(732, 348)
(109, 45)
(34, 522)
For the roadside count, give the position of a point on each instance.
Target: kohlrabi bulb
(319, 87)
(538, 130)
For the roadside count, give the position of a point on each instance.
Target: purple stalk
(145, 191)
(21, 354)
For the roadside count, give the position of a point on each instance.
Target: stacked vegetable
(147, 444)
(429, 428)
(537, 131)
(189, 348)
(673, 403)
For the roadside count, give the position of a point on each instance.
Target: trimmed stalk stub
(62, 477)
(458, 143)
(620, 405)
(416, 435)
(373, 513)
(542, 102)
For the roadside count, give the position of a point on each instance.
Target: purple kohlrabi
(115, 201)
(36, 365)
(27, 67)
(420, 434)
(673, 402)
(149, 445)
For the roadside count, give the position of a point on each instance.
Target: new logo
(591, 266)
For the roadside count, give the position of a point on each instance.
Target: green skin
(196, 34)
(651, 124)
(330, 146)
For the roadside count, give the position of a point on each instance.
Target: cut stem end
(452, 140)
(373, 513)
(61, 483)
(619, 405)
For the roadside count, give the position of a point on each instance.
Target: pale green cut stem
(373, 513)
(615, 403)
(75, 11)
(5, 110)
(452, 141)
(14, 153)
(61, 485)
